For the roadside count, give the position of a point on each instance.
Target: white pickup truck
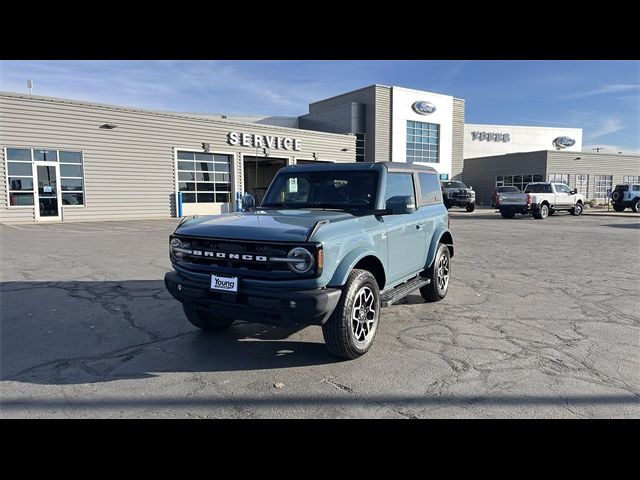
(541, 199)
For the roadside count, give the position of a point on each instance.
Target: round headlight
(306, 260)
(177, 243)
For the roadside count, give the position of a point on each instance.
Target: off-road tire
(507, 213)
(636, 206)
(471, 206)
(432, 292)
(338, 330)
(206, 321)
(618, 208)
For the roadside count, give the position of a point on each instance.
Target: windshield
(453, 185)
(324, 189)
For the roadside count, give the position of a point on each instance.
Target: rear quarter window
(430, 191)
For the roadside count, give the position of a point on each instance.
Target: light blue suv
(330, 245)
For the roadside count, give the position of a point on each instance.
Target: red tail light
(528, 199)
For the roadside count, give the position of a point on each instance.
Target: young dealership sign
(491, 137)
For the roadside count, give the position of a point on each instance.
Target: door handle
(419, 226)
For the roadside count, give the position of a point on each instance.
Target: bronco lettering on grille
(230, 256)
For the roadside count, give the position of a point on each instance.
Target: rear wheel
(507, 213)
(542, 212)
(636, 206)
(618, 208)
(576, 210)
(205, 320)
(439, 273)
(350, 330)
(471, 206)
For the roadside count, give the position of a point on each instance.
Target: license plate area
(224, 284)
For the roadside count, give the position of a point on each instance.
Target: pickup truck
(330, 245)
(541, 199)
(457, 194)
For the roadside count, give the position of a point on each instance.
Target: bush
(593, 203)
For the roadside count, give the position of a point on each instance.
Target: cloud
(611, 149)
(604, 89)
(607, 126)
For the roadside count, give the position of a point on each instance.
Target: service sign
(255, 140)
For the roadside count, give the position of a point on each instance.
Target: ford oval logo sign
(564, 142)
(423, 108)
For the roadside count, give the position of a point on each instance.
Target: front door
(406, 242)
(48, 206)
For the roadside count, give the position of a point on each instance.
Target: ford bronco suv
(459, 195)
(626, 195)
(329, 245)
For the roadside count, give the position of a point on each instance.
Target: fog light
(292, 304)
(179, 287)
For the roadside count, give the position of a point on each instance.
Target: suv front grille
(238, 257)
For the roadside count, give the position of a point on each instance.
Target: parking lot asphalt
(541, 321)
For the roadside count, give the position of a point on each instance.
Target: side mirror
(575, 190)
(401, 205)
(248, 202)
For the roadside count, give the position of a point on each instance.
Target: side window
(399, 184)
(430, 190)
(562, 188)
(636, 188)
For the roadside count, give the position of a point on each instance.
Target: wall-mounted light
(315, 155)
(345, 149)
(266, 152)
(206, 147)
(578, 158)
(108, 126)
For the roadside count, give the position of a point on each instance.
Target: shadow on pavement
(87, 332)
(624, 225)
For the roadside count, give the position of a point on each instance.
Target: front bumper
(461, 201)
(259, 305)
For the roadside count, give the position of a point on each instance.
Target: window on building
(204, 177)
(423, 142)
(630, 179)
(71, 179)
(519, 181)
(399, 184)
(20, 174)
(430, 189)
(558, 177)
(602, 183)
(582, 184)
(359, 147)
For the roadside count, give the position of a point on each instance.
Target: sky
(601, 97)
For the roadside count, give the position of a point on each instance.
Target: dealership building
(69, 160)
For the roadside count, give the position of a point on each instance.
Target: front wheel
(576, 210)
(204, 320)
(439, 273)
(471, 206)
(636, 206)
(352, 326)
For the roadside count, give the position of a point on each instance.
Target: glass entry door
(48, 200)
